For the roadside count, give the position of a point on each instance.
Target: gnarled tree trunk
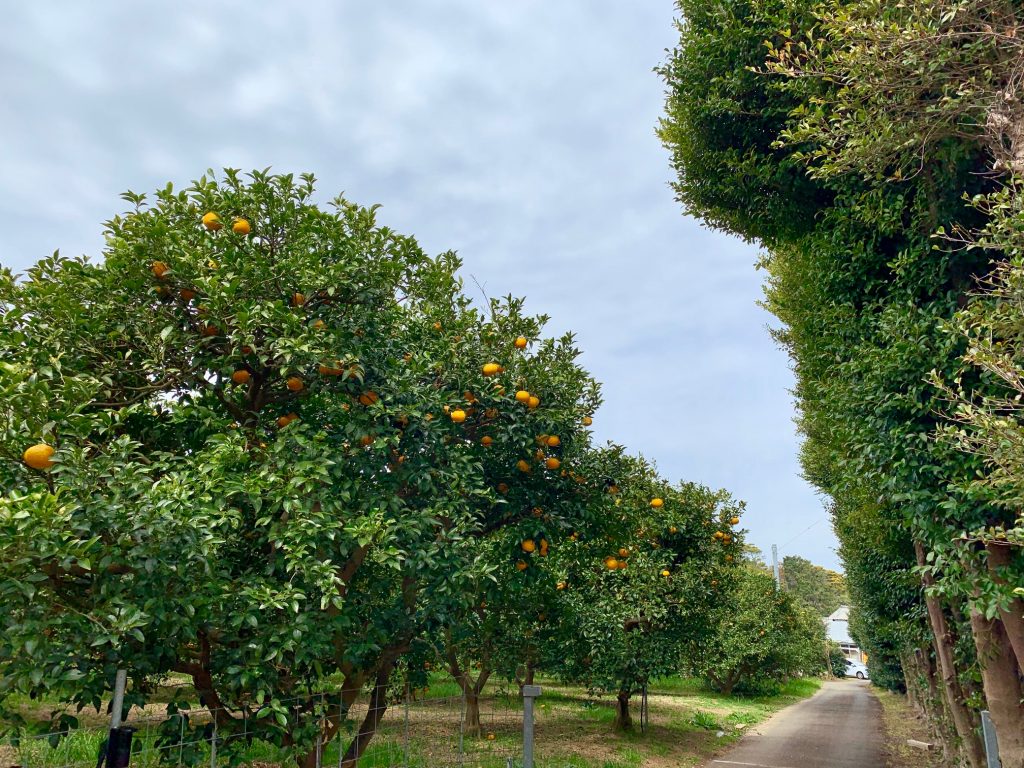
(1001, 556)
(1001, 678)
(963, 719)
(623, 718)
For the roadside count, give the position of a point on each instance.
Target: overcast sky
(520, 134)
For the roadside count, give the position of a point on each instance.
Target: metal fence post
(988, 732)
(530, 692)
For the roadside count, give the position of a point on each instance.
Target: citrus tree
(257, 445)
(761, 637)
(634, 595)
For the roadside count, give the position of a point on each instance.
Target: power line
(805, 530)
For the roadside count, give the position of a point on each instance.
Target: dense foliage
(870, 135)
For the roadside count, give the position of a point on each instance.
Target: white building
(837, 629)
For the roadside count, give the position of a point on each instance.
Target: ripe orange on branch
(528, 545)
(241, 227)
(212, 221)
(490, 369)
(159, 269)
(39, 456)
(657, 503)
(533, 402)
(458, 415)
(241, 376)
(522, 396)
(552, 463)
(521, 342)
(486, 440)
(294, 383)
(368, 398)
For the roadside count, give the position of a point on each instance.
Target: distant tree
(818, 588)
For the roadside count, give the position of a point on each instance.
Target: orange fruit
(622, 565)
(210, 330)
(502, 487)
(486, 440)
(468, 397)
(554, 441)
(368, 398)
(284, 421)
(587, 421)
(665, 573)
(611, 563)
(318, 324)
(365, 440)
(544, 547)
(523, 396)
(39, 456)
(458, 415)
(159, 269)
(187, 294)
(212, 221)
(728, 558)
(437, 326)
(537, 512)
(298, 299)
(528, 545)
(657, 503)
(331, 370)
(561, 585)
(534, 401)
(538, 455)
(294, 383)
(521, 342)
(490, 736)
(240, 227)
(241, 376)
(719, 535)
(490, 369)
(673, 529)
(734, 521)
(552, 463)
(523, 465)
(623, 552)
(521, 565)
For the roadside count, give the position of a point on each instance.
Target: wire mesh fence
(407, 733)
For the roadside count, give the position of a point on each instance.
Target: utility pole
(775, 566)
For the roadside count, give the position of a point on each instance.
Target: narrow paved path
(839, 727)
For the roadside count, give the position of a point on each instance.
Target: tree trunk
(1000, 676)
(374, 714)
(471, 724)
(1001, 556)
(963, 720)
(623, 718)
(935, 710)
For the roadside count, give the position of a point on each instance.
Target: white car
(856, 669)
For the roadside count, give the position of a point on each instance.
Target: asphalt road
(839, 727)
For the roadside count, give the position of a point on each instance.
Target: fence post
(530, 692)
(988, 732)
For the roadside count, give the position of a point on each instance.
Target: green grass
(574, 729)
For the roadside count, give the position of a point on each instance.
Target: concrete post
(120, 682)
(988, 734)
(530, 692)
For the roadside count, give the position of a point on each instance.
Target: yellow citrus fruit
(331, 370)
(241, 376)
(554, 441)
(212, 221)
(39, 456)
(587, 421)
(665, 573)
(523, 396)
(490, 369)
(534, 401)
(734, 521)
(538, 455)
(458, 415)
(623, 552)
(159, 269)
(622, 565)
(210, 330)
(187, 294)
(294, 383)
(528, 545)
(368, 398)
(502, 487)
(523, 465)
(241, 227)
(521, 565)
(365, 440)
(521, 342)
(673, 529)
(298, 299)
(490, 737)
(728, 558)
(657, 503)
(552, 463)
(611, 563)
(719, 535)
(318, 324)
(486, 440)
(561, 585)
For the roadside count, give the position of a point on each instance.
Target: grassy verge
(902, 723)
(687, 724)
